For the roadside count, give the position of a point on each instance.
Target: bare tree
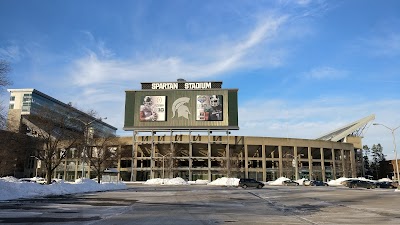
(57, 132)
(103, 154)
(4, 82)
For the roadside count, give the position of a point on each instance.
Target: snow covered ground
(12, 188)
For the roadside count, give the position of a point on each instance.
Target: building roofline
(59, 102)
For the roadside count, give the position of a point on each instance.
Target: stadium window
(12, 98)
(11, 106)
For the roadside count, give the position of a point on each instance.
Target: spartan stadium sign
(182, 85)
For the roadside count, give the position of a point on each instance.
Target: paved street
(200, 204)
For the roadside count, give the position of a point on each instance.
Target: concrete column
(273, 164)
(119, 162)
(209, 156)
(264, 163)
(246, 161)
(343, 163)
(190, 156)
(296, 161)
(353, 163)
(227, 156)
(310, 162)
(323, 164)
(333, 164)
(134, 157)
(280, 161)
(153, 152)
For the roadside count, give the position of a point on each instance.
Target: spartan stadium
(183, 129)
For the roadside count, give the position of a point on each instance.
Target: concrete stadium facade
(208, 157)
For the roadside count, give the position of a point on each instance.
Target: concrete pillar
(353, 163)
(310, 162)
(323, 164)
(280, 161)
(264, 163)
(190, 156)
(209, 156)
(246, 161)
(296, 161)
(153, 152)
(333, 164)
(343, 163)
(227, 156)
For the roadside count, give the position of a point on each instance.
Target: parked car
(290, 183)
(38, 180)
(244, 183)
(318, 183)
(361, 183)
(386, 184)
(26, 180)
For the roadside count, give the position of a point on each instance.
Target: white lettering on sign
(206, 85)
(164, 86)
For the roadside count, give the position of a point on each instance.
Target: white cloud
(222, 57)
(385, 45)
(326, 72)
(312, 118)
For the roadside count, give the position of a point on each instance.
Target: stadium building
(183, 129)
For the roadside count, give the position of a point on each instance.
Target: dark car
(318, 183)
(290, 183)
(385, 184)
(244, 183)
(361, 183)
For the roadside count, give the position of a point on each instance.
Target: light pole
(296, 166)
(394, 150)
(86, 136)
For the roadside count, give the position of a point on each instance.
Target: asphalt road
(201, 204)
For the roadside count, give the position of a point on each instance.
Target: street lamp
(86, 136)
(395, 151)
(296, 164)
(163, 159)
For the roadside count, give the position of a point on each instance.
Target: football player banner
(209, 108)
(153, 108)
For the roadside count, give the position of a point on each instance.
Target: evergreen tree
(367, 166)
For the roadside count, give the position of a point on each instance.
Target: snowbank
(338, 181)
(166, 181)
(225, 181)
(12, 188)
(278, 181)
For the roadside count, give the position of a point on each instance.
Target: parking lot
(202, 204)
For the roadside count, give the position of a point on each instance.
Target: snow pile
(338, 181)
(11, 188)
(166, 181)
(225, 181)
(301, 181)
(278, 181)
(198, 182)
(385, 180)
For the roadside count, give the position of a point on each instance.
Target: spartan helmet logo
(180, 107)
(214, 101)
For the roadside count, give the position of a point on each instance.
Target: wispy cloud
(326, 72)
(310, 119)
(94, 68)
(11, 53)
(388, 44)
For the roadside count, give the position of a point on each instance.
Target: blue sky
(302, 67)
